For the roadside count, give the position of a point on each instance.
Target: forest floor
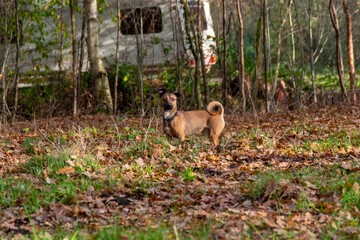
(278, 176)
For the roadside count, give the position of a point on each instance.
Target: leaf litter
(294, 175)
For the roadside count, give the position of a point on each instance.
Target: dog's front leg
(182, 138)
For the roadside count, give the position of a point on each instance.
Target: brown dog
(180, 123)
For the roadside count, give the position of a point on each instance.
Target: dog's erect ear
(177, 94)
(161, 91)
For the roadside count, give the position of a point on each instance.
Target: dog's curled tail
(215, 108)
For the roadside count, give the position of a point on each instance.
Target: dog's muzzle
(168, 106)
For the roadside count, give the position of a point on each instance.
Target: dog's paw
(219, 148)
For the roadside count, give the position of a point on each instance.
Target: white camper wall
(153, 52)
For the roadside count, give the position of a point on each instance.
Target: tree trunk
(55, 95)
(224, 56)
(257, 74)
(201, 51)
(74, 47)
(350, 52)
(178, 46)
(339, 60)
(3, 58)
(312, 55)
(117, 57)
(241, 56)
(140, 59)
(191, 34)
(293, 52)
(82, 52)
(219, 53)
(302, 58)
(293, 58)
(278, 49)
(16, 79)
(99, 74)
(302, 63)
(265, 54)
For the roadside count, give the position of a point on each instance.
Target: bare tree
(293, 51)
(193, 44)
(350, 52)
(140, 56)
(339, 60)
(82, 51)
(241, 56)
(219, 53)
(98, 72)
(302, 56)
(265, 53)
(312, 53)
(257, 73)
(74, 47)
(224, 65)
(278, 49)
(293, 60)
(201, 51)
(17, 70)
(117, 56)
(179, 48)
(4, 10)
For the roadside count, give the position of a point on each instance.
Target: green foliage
(127, 75)
(189, 174)
(29, 145)
(233, 53)
(351, 199)
(170, 77)
(38, 164)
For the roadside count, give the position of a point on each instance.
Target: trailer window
(194, 13)
(151, 20)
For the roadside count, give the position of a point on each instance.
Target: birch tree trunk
(339, 60)
(98, 72)
(74, 47)
(350, 52)
(241, 56)
(201, 51)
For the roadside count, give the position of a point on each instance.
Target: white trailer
(158, 23)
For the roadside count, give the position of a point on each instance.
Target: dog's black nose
(168, 106)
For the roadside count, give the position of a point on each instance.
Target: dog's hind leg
(214, 138)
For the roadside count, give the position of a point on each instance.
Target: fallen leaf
(270, 189)
(356, 187)
(66, 170)
(140, 161)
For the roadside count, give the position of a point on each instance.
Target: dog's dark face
(168, 99)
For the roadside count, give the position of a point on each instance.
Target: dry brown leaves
(217, 193)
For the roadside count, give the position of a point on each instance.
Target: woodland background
(304, 52)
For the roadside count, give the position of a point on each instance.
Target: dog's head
(168, 99)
